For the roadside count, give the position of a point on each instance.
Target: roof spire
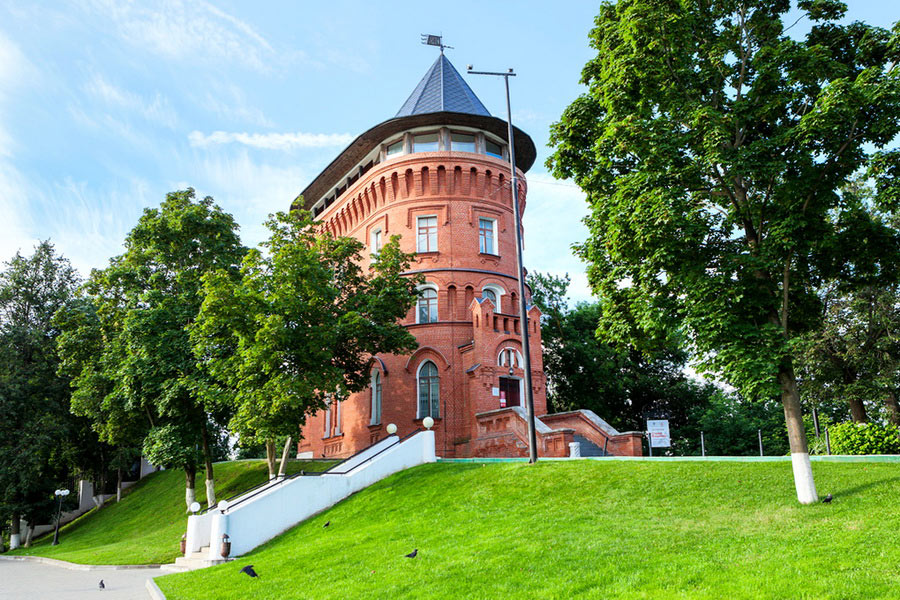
(442, 89)
(434, 40)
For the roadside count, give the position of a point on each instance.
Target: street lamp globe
(391, 429)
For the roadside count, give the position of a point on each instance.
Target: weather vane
(434, 40)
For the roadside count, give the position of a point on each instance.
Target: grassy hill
(587, 529)
(147, 525)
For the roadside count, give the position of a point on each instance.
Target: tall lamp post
(59, 494)
(520, 279)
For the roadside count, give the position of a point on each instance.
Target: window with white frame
(337, 417)
(376, 397)
(495, 294)
(429, 385)
(376, 240)
(328, 416)
(427, 311)
(426, 234)
(487, 235)
(510, 357)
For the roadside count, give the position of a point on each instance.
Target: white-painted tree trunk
(29, 533)
(14, 541)
(189, 497)
(210, 492)
(803, 478)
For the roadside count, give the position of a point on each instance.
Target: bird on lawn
(102, 585)
(327, 523)
(827, 499)
(412, 554)
(249, 571)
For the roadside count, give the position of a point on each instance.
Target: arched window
(495, 294)
(376, 397)
(429, 385)
(510, 357)
(427, 310)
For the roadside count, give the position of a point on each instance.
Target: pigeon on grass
(249, 571)
(327, 523)
(827, 498)
(412, 554)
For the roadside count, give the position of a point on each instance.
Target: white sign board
(659, 434)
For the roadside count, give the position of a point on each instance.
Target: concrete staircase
(272, 508)
(196, 560)
(588, 448)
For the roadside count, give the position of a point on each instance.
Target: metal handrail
(328, 472)
(275, 480)
(399, 441)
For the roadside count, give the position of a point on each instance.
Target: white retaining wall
(280, 507)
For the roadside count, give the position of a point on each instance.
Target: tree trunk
(284, 455)
(793, 415)
(190, 475)
(207, 456)
(29, 533)
(893, 408)
(118, 485)
(270, 457)
(857, 410)
(2, 547)
(14, 531)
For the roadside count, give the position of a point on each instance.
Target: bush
(864, 438)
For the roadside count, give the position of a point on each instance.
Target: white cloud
(177, 29)
(553, 222)
(229, 102)
(88, 226)
(248, 190)
(16, 224)
(157, 110)
(271, 141)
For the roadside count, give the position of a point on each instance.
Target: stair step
(588, 448)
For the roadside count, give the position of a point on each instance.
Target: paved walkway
(21, 580)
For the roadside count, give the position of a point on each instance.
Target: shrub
(864, 438)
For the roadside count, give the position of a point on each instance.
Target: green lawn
(586, 529)
(147, 525)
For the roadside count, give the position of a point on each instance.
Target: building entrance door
(509, 388)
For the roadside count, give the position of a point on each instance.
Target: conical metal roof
(442, 89)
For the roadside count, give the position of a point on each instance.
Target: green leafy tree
(854, 357)
(35, 426)
(131, 354)
(712, 147)
(300, 325)
(621, 384)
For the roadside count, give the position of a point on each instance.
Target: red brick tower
(438, 175)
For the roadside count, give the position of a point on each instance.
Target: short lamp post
(59, 494)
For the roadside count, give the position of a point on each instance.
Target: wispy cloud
(194, 30)
(553, 222)
(248, 189)
(229, 102)
(158, 110)
(16, 226)
(270, 141)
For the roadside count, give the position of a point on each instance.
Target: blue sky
(106, 106)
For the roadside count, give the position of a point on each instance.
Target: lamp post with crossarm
(520, 279)
(59, 494)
